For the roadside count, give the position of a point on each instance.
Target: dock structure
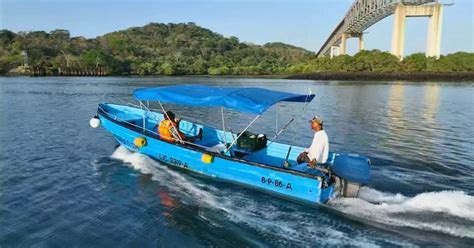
(99, 71)
(38, 71)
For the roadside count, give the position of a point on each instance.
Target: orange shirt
(165, 130)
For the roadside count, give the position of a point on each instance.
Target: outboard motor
(352, 171)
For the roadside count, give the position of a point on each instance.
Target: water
(66, 184)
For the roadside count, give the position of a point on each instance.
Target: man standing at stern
(318, 152)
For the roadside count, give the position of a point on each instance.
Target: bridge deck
(362, 15)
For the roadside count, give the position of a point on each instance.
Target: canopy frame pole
(175, 131)
(143, 115)
(283, 129)
(233, 143)
(223, 125)
(276, 120)
(290, 121)
(147, 108)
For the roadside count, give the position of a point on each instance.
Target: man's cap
(317, 119)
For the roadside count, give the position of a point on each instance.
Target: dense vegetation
(176, 49)
(377, 61)
(167, 49)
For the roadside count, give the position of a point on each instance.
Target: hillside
(163, 49)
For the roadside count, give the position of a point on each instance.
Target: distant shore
(386, 76)
(342, 76)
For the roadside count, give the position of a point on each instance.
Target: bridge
(365, 13)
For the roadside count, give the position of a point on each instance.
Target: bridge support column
(433, 11)
(334, 51)
(433, 46)
(398, 33)
(343, 45)
(361, 42)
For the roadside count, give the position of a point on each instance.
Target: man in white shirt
(318, 152)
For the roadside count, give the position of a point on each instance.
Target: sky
(303, 23)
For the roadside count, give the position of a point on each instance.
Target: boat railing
(153, 110)
(199, 121)
(235, 137)
(184, 117)
(115, 117)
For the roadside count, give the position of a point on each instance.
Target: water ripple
(60, 186)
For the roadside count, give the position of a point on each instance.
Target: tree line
(378, 61)
(188, 49)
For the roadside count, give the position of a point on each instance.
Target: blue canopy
(248, 100)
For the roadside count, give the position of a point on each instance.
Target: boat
(243, 158)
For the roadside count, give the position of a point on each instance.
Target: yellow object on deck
(139, 142)
(207, 158)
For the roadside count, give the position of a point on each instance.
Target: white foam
(399, 210)
(188, 189)
(374, 196)
(306, 228)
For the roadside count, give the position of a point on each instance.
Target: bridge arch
(365, 13)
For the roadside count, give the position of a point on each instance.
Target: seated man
(318, 152)
(169, 129)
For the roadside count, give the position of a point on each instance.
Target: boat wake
(190, 191)
(448, 212)
(269, 220)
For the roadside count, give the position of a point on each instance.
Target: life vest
(165, 130)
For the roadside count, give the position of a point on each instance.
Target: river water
(66, 184)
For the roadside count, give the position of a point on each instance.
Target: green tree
(415, 62)
(341, 63)
(91, 58)
(222, 70)
(199, 66)
(376, 61)
(456, 62)
(168, 69)
(145, 68)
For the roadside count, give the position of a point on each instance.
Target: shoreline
(325, 76)
(386, 76)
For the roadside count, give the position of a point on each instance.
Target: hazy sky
(304, 23)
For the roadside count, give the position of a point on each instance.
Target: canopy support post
(276, 120)
(223, 125)
(233, 143)
(143, 115)
(283, 129)
(174, 130)
(290, 121)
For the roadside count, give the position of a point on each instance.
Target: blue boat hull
(304, 187)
